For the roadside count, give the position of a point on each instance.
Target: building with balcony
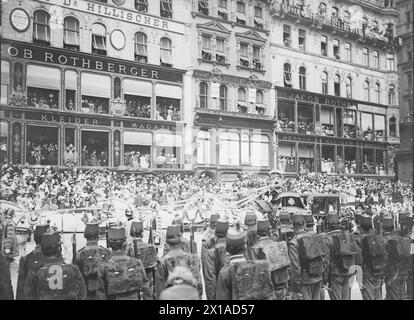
(94, 83)
(405, 71)
(334, 70)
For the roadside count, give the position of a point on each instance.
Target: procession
(93, 234)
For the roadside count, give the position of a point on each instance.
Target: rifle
(192, 238)
(73, 244)
(107, 235)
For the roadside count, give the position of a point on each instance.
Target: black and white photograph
(214, 150)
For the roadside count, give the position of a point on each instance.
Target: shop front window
(137, 150)
(94, 152)
(349, 117)
(287, 157)
(393, 127)
(327, 121)
(5, 81)
(168, 102)
(245, 149)
(350, 166)
(4, 141)
(379, 127)
(340, 165)
(380, 167)
(328, 159)
(43, 87)
(96, 92)
(203, 147)
(168, 151)
(305, 118)
(366, 125)
(70, 156)
(260, 150)
(368, 161)
(137, 96)
(70, 87)
(286, 116)
(229, 149)
(306, 158)
(42, 145)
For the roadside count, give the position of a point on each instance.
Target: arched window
(166, 10)
(391, 94)
(377, 93)
(322, 9)
(203, 7)
(203, 147)
(259, 96)
(348, 85)
(302, 78)
(117, 87)
(166, 52)
(324, 79)
(287, 75)
(141, 6)
(241, 11)
(98, 39)
(337, 85)
(366, 90)
(229, 148)
(203, 95)
(71, 34)
(393, 127)
(241, 100)
(223, 97)
(347, 16)
(334, 12)
(41, 27)
(141, 53)
(241, 94)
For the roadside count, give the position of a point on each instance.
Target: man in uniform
(250, 221)
(187, 245)
(304, 284)
(32, 261)
(146, 252)
(90, 258)
(8, 240)
(55, 280)
(6, 289)
(122, 277)
(181, 285)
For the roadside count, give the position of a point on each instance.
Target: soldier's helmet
(173, 234)
(388, 222)
(263, 226)
(221, 228)
(39, 231)
(50, 241)
(117, 234)
(298, 219)
(308, 220)
(91, 231)
(137, 227)
(235, 240)
(365, 221)
(250, 219)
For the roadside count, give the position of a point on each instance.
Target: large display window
(43, 87)
(5, 81)
(42, 146)
(305, 118)
(260, 150)
(350, 154)
(203, 147)
(328, 159)
(327, 121)
(137, 150)
(368, 161)
(306, 157)
(168, 148)
(380, 162)
(71, 86)
(4, 141)
(287, 157)
(379, 123)
(96, 92)
(137, 96)
(349, 119)
(94, 150)
(286, 116)
(365, 124)
(168, 102)
(229, 149)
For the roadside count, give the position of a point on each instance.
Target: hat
(250, 219)
(365, 220)
(235, 239)
(39, 231)
(263, 225)
(333, 219)
(173, 233)
(221, 228)
(388, 221)
(91, 230)
(117, 234)
(297, 218)
(284, 217)
(137, 227)
(180, 292)
(50, 240)
(214, 218)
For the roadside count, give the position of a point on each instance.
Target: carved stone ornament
(216, 74)
(18, 98)
(118, 107)
(253, 79)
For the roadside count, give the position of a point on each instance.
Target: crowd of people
(135, 160)
(41, 153)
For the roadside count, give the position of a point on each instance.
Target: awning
(71, 81)
(43, 77)
(138, 138)
(168, 91)
(168, 140)
(137, 88)
(95, 85)
(99, 43)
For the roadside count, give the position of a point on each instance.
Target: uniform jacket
(9, 239)
(366, 271)
(224, 286)
(6, 289)
(395, 268)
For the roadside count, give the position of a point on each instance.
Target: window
(43, 87)
(229, 148)
(137, 149)
(4, 141)
(244, 54)
(96, 92)
(327, 121)
(336, 49)
(366, 125)
(391, 95)
(287, 75)
(348, 87)
(322, 9)
(259, 150)
(203, 95)
(390, 61)
(259, 97)
(324, 79)
(324, 45)
(206, 47)
(409, 79)
(5, 82)
(166, 52)
(203, 7)
(347, 16)
(365, 57)
(137, 96)
(223, 97)
(94, 151)
(302, 39)
(71, 34)
(337, 85)
(393, 127)
(364, 24)
(348, 55)
(240, 14)
(305, 118)
(302, 78)
(377, 93)
(168, 150)
(245, 149)
(41, 28)
(220, 53)
(141, 52)
(168, 102)
(42, 147)
(203, 147)
(286, 35)
(349, 119)
(18, 76)
(287, 157)
(257, 64)
(71, 86)
(98, 39)
(241, 100)
(222, 9)
(166, 9)
(306, 158)
(379, 127)
(117, 87)
(334, 12)
(408, 18)
(375, 60)
(366, 90)
(258, 16)
(286, 116)
(141, 6)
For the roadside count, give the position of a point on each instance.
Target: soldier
(341, 256)
(397, 266)
(54, 280)
(309, 223)
(215, 257)
(276, 253)
(243, 279)
(9, 240)
(186, 245)
(90, 258)
(147, 253)
(371, 256)
(407, 230)
(210, 229)
(6, 289)
(285, 228)
(181, 285)
(250, 221)
(205, 241)
(306, 253)
(32, 261)
(176, 256)
(122, 277)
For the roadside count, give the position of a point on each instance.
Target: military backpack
(344, 249)
(311, 251)
(373, 252)
(399, 248)
(189, 261)
(147, 253)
